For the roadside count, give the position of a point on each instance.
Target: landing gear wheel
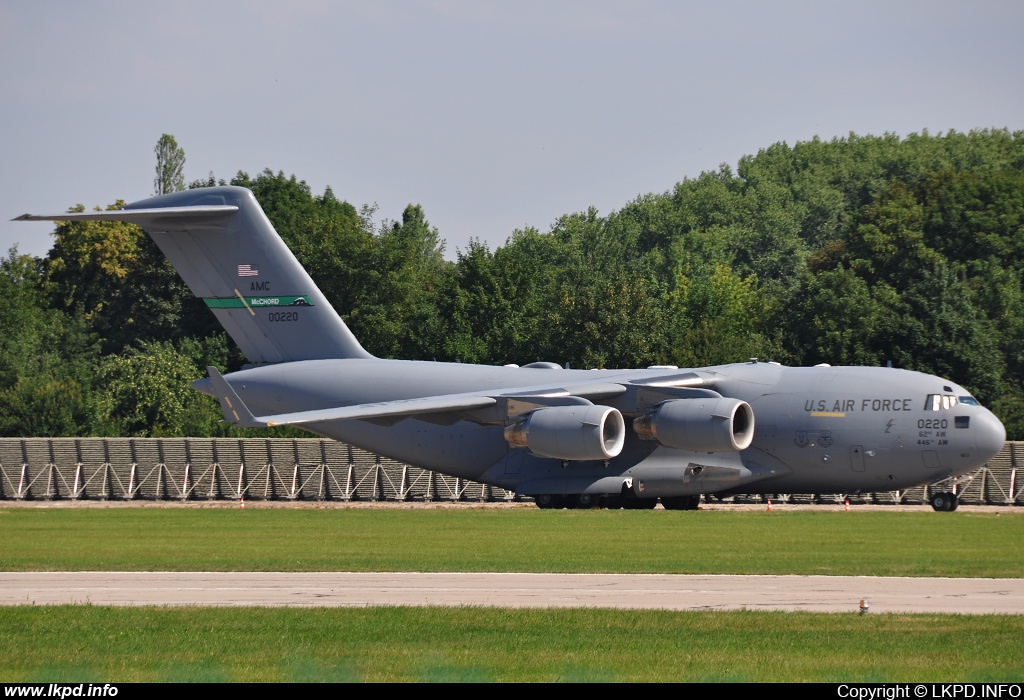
(680, 502)
(945, 502)
(584, 501)
(547, 500)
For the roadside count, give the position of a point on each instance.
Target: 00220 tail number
(275, 316)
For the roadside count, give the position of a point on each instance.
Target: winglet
(235, 410)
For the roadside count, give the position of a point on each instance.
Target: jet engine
(699, 425)
(574, 433)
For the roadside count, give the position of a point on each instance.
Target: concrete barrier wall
(316, 469)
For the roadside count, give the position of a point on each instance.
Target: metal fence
(316, 469)
(217, 468)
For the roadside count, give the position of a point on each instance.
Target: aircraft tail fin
(227, 251)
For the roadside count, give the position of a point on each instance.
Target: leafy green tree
(890, 246)
(490, 304)
(940, 330)
(146, 392)
(46, 358)
(89, 261)
(170, 163)
(521, 303)
(716, 318)
(398, 314)
(838, 320)
(335, 249)
(608, 323)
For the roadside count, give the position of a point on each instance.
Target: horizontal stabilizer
(235, 411)
(141, 217)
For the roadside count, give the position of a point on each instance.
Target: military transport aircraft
(570, 438)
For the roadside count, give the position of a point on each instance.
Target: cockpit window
(969, 400)
(943, 402)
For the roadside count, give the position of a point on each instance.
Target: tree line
(862, 250)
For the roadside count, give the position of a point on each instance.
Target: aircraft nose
(989, 435)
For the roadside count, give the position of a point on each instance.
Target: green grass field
(416, 644)
(400, 644)
(521, 539)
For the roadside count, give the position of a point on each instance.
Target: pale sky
(491, 115)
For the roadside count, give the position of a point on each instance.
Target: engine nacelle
(574, 433)
(699, 425)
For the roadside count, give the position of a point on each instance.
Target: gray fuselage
(818, 429)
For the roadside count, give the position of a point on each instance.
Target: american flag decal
(247, 270)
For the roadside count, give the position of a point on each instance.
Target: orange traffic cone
(847, 505)
(769, 504)
(241, 502)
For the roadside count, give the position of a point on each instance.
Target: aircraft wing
(235, 410)
(486, 408)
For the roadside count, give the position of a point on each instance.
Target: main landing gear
(680, 502)
(582, 501)
(587, 501)
(549, 500)
(945, 501)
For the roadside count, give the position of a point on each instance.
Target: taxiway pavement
(517, 590)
